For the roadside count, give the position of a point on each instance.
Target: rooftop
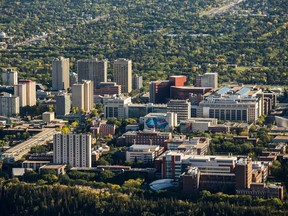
(53, 166)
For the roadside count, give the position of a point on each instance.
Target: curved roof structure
(161, 184)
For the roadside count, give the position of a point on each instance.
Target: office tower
(181, 107)
(243, 173)
(20, 91)
(9, 105)
(60, 73)
(63, 104)
(122, 74)
(137, 81)
(82, 95)
(26, 90)
(92, 69)
(10, 77)
(73, 149)
(207, 80)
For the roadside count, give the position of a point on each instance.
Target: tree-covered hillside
(26, 199)
(161, 37)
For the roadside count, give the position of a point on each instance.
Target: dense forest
(27, 199)
(161, 37)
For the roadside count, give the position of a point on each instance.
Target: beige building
(181, 107)
(82, 95)
(26, 90)
(9, 105)
(143, 153)
(60, 74)
(20, 91)
(122, 74)
(92, 69)
(47, 117)
(73, 149)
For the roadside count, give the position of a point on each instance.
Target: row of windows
(238, 115)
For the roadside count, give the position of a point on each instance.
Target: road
(221, 10)
(17, 152)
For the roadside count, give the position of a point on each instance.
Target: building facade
(137, 81)
(116, 106)
(73, 149)
(20, 91)
(82, 96)
(181, 107)
(92, 69)
(159, 121)
(143, 153)
(139, 110)
(63, 104)
(9, 105)
(60, 73)
(30, 88)
(122, 74)
(233, 103)
(108, 88)
(10, 77)
(207, 80)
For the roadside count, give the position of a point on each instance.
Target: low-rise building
(262, 190)
(195, 145)
(197, 124)
(146, 137)
(143, 153)
(47, 117)
(103, 129)
(58, 169)
(140, 110)
(116, 106)
(159, 121)
(35, 165)
(108, 88)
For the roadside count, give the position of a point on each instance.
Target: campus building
(73, 149)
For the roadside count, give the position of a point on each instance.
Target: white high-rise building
(26, 90)
(73, 149)
(60, 74)
(9, 105)
(122, 74)
(10, 77)
(82, 95)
